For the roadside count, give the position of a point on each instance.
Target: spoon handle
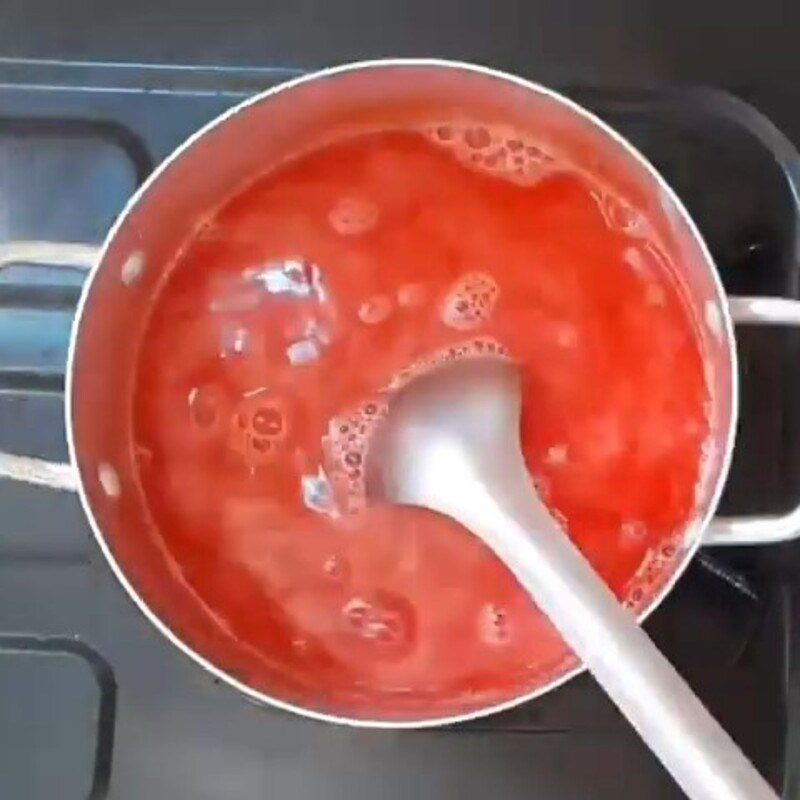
(647, 689)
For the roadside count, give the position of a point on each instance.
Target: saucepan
(127, 271)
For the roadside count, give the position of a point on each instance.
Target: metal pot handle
(766, 529)
(66, 255)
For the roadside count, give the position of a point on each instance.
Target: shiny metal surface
(770, 529)
(450, 443)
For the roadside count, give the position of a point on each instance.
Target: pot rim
(693, 535)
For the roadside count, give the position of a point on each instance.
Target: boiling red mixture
(331, 279)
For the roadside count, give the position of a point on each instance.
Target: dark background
(562, 41)
(750, 47)
(565, 39)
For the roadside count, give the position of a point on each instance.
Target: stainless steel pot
(125, 273)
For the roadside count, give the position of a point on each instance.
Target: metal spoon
(450, 443)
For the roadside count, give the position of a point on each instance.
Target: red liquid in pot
(313, 290)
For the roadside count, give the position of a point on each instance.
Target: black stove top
(95, 703)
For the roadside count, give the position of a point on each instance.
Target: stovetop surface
(93, 702)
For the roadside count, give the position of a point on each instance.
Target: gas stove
(95, 703)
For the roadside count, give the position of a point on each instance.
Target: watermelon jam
(337, 275)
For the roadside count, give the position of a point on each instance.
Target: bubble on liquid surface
(353, 215)
(233, 340)
(375, 309)
(493, 625)
(259, 427)
(268, 420)
(657, 563)
(381, 618)
(443, 133)
(346, 445)
(291, 277)
(308, 338)
(632, 532)
(205, 405)
(304, 351)
(317, 493)
(498, 150)
(470, 348)
(347, 440)
(336, 568)
(477, 138)
(470, 301)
